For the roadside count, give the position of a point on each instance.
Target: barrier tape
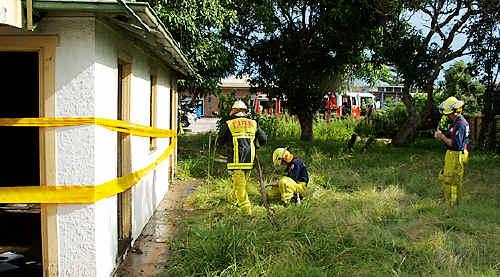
(111, 124)
(83, 194)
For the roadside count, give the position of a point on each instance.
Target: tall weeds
(376, 213)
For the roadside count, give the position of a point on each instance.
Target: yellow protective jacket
(240, 134)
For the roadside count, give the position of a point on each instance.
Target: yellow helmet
(239, 108)
(280, 154)
(451, 105)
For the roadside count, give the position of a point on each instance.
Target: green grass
(377, 213)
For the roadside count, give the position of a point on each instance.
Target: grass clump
(372, 213)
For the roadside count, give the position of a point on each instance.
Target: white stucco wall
(86, 85)
(110, 46)
(75, 152)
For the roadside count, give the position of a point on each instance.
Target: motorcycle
(186, 114)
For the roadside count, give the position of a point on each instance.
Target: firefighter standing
(240, 133)
(456, 140)
(330, 105)
(293, 186)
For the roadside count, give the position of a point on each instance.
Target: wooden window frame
(174, 121)
(45, 46)
(124, 199)
(153, 109)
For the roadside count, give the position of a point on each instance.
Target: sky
(421, 21)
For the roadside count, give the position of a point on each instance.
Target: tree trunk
(407, 131)
(486, 140)
(306, 127)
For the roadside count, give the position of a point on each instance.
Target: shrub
(386, 121)
(283, 126)
(339, 130)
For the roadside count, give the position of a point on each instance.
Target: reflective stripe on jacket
(243, 134)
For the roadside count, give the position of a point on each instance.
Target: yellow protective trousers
(286, 189)
(452, 175)
(238, 196)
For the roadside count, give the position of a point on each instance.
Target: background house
(258, 102)
(381, 90)
(92, 58)
(239, 86)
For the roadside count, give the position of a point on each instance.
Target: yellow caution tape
(112, 124)
(83, 194)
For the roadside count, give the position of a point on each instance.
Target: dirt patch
(150, 252)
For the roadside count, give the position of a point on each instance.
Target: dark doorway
(20, 231)
(19, 145)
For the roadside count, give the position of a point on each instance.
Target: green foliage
(373, 214)
(196, 158)
(339, 130)
(382, 124)
(485, 46)
(226, 101)
(459, 83)
(291, 49)
(373, 73)
(388, 120)
(485, 43)
(197, 25)
(285, 126)
(416, 54)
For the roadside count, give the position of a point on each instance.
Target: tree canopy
(302, 49)
(419, 54)
(459, 82)
(197, 25)
(485, 46)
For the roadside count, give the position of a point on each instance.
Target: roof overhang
(136, 18)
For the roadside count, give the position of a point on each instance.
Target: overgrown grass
(373, 213)
(287, 126)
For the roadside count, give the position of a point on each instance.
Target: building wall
(75, 152)
(146, 195)
(86, 85)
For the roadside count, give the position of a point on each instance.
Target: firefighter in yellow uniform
(240, 133)
(456, 140)
(290, 188)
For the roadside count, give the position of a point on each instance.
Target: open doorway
(20, 231)
(124, 199)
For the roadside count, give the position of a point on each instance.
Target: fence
(475, 127)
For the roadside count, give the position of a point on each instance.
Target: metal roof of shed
(136, 18)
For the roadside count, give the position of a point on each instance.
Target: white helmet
(239, 109)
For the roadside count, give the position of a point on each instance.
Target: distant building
(385, 91)
(381, 90)
(258, 102)
(239, 86)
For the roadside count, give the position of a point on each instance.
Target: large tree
(485, 47)
(419, 54)
(301, 49)
(197, 25)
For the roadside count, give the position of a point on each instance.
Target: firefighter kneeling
(293, 186)
(456, 141)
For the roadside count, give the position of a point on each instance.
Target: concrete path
(150, 253)
(203, 125)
